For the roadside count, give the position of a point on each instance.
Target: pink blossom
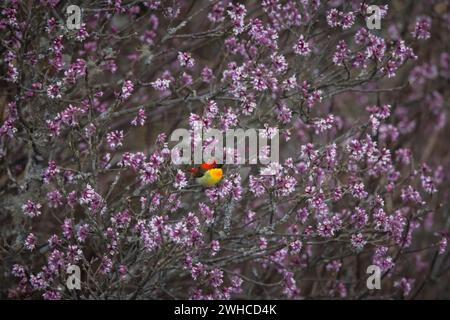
(115, 139)
(302, 47)
(30, 242)
(422, 28)
(32, 209)
(185, 59)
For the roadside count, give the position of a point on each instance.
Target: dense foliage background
(86, 177)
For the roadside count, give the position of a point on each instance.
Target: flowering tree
(86, 177)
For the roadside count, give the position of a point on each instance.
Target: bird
(208, 174)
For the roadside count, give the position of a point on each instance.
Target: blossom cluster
(86, 171)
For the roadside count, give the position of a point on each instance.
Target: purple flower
(90, 130)
(376, 48)
(405, 285)
(50, 172)
(326, 228)
(360, 217)
(347, 19)
(382, 260)
(403, 155)
(72, 198)
(106, 265)
(127, 89)
(149, 173)
(83, 232)
(197, 270)
(92, 199)
(30, 242)
(358, 190)
(161, 84)
(54, 90)
(290, 287)
(428, 184)
(51, 295)
(73, 254)
(186, 79)
(237, 14)
(217, 13)
(341, 54)
(262, 243)
(180, 180)
(54, 241)
(115, 139)
(324, 124)
(358, 241)
(207, 213)
(123, 271)
(8, 128)
(82, 33)
(18, 271)
(32, 209)
(76, 144)
(122, 219)
(334, 266)
(302, 48)
(38, 282)
(302, 215)
(140, 118)
(236, 284)
(67, 228)
(279, 63)
(132, 160)
(296, 246)
(409, 194)
(75, 70)
(333, 18)
(442, 245)
(422, 28)
(216, 277)
(207, 75)
(185, 59)
(256, 186)
(215, 247)
(55, 199)
(228, 120)
(55, 261)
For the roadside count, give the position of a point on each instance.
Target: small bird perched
(208, 174)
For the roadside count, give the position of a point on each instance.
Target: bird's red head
(204, 166)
